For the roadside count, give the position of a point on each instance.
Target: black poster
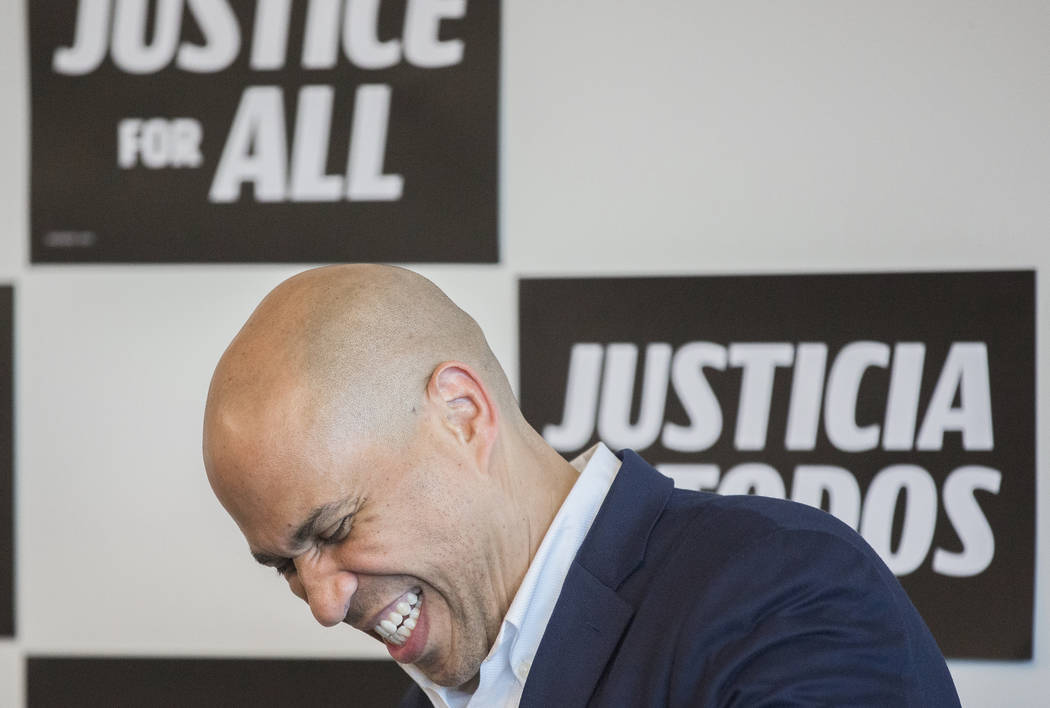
(903, 403)
(107, 682)
(7, 445)
(264, 130)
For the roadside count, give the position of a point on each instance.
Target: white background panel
(637, 138)
(776, 135)
(11, 674)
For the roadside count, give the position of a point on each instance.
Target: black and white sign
(7, 444)
(104, 682)
(902, 403)
(264, 130)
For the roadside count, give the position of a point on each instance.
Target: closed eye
(282, 565)
(337, 532)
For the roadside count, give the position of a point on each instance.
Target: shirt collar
(533, 604)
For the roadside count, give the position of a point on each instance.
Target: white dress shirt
(504, 670)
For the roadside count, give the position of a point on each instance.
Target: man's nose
(325, 587)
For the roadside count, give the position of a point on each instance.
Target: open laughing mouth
(396, 627)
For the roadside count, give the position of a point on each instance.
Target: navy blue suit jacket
(682, 598)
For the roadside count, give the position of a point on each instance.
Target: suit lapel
(583, 632)
(590, 617)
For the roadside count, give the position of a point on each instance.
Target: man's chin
(463, 678)
(471, 685)
(454, 681)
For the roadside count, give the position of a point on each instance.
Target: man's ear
(465, 406)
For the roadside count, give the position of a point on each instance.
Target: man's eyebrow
(305, 531)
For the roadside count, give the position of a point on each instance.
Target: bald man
(367, 443)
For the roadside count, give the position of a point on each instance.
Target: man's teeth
(397, 626)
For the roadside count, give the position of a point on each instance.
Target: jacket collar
(590, 616)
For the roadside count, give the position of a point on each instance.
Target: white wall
(665, 137)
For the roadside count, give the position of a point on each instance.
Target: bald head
(351, 347)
